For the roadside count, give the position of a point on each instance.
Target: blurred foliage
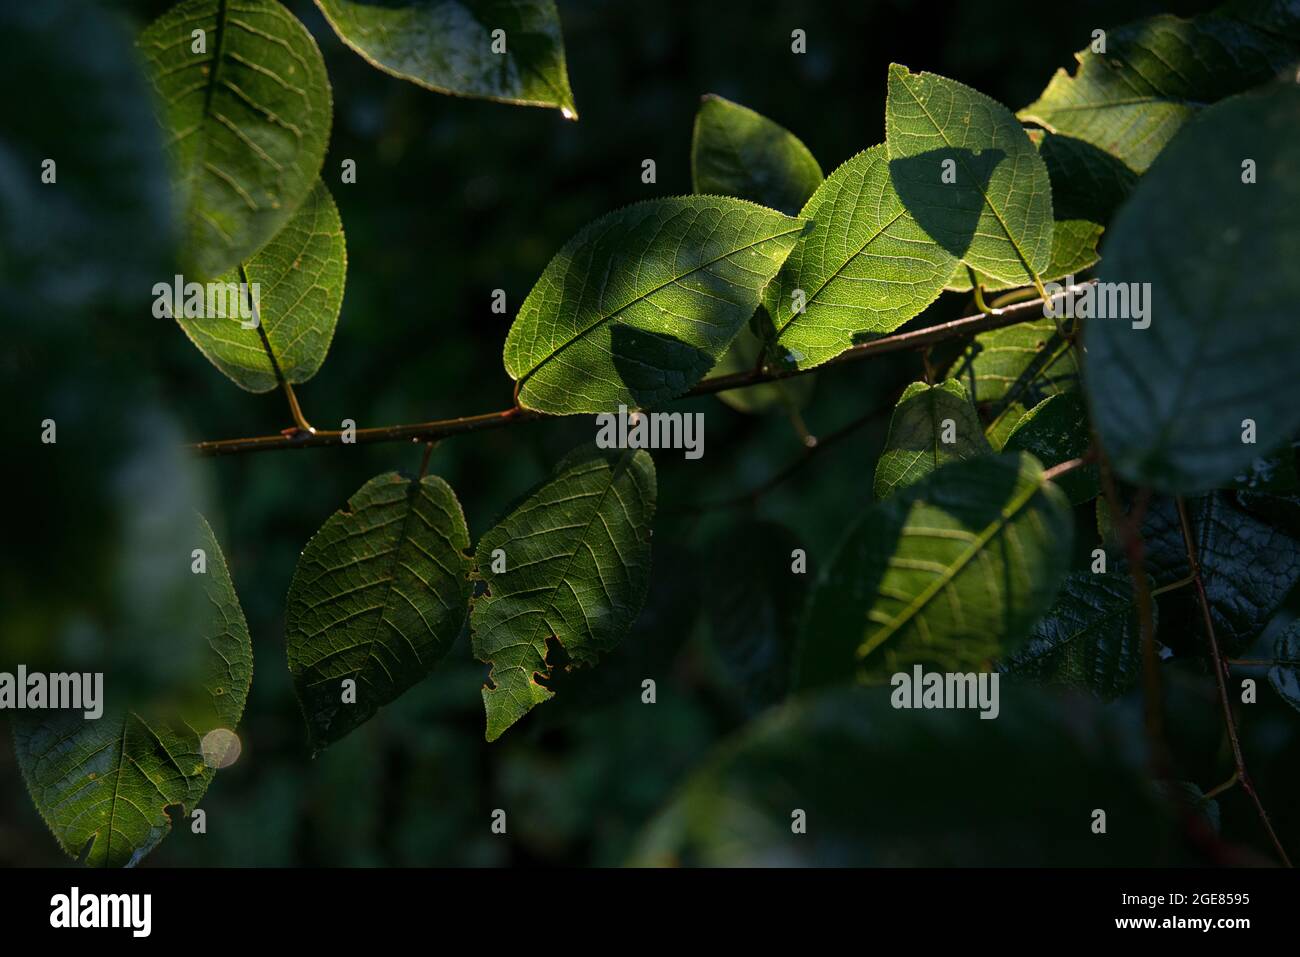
(455, 198)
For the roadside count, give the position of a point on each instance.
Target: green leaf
(379, 596)
(1055, 431)
(248, 121)
(916, 445)
(98, 232)
(104, 785)
(638, 306)
(887, 787)
(300, 274)
(1285, 672)
(1091, 639)
(737, 152)
(1247, 566)
(949, 573)
(447, 46)
(790, 394)
(576, 556)
(997, 215)
(863, 266)
(1170, 400)
(1087, 185)
(754, 602)
(1155, 74)
(1011, 370)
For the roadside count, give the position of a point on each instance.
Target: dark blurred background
(455, 198)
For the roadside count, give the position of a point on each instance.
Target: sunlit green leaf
(1009, 371)
(966, 170)
(448, 46)
(380, 594)
(864, 266)
(246, 106)
(576, 560)
(300, 274)
(639, 305)
(948, 573)
(924, 419)
(1153, 75)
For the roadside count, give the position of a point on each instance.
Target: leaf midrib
(924, 597)
(642, 296)
(974, 179)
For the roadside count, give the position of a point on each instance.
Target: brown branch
(1221, 676)
(1128, 526)
(444, 428)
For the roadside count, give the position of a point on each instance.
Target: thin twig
(1129, 527)
(1221, 676)
(443, 428)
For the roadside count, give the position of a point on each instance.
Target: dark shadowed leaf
(1091, 638)
(247, 118)
(447, 46)
(1056, 431)
(1285, 673)
(737, 152)
(638, 306)
(1174, 402)
(924, 419)
(576, 556)
(884, 787)
(1248, 567)
(379, 596)
(754, 602)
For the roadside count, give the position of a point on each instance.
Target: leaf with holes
(104, 785)
(864, 266)
(453, 46)
(1186, 398)
(571, 563)
(1009, 371)
(638, 306)
(380, 594)
(299, 275)
(1130, 99)
(737, 152)
(1091, 639)
(966, 170)
(932, 426)
(948, 573)
(246, 104)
